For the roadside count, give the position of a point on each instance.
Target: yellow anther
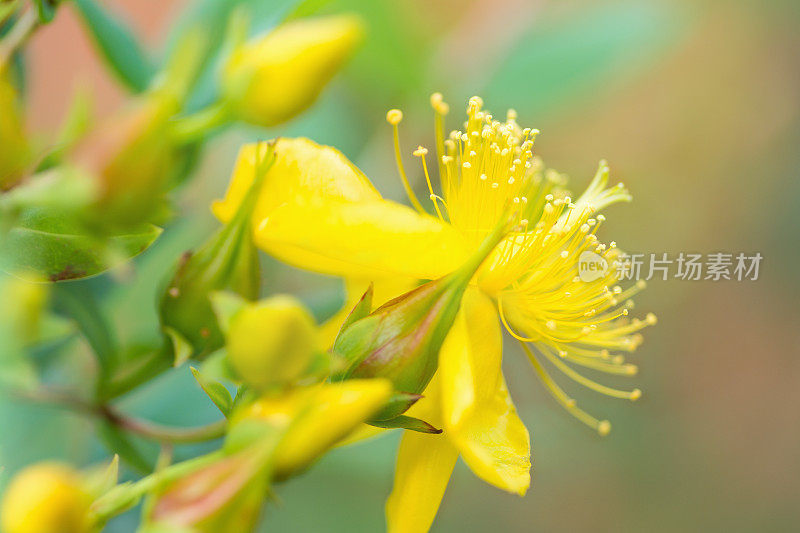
(604, 428)
(394, 116)
(438, 104)
(420, 151)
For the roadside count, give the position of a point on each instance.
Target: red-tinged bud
(132, 157)
(225, 495)
(401, 339)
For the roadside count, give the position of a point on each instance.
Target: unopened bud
(226, 495)
(272, 342)
(400, 340)
(46, 498)
(315, 418)
(132, 157)
(275, 77)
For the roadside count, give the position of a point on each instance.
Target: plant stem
(196, 126)
(126, 495)
(142, 428)
(170, 434)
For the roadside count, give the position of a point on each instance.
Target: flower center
(489, 176)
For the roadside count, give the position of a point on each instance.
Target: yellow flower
(273, 78)
(319, 212)
(46, 498)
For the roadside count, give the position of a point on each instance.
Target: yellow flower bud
(272, 341)
(16, 151)
(45, 498)
(317, 418)
(273, 78)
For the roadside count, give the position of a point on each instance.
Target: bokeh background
(696, 104)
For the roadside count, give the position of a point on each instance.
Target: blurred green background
(696, 105)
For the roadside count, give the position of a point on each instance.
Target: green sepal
(361, 310)
(216, 391)
(397, 404)
(405, 422)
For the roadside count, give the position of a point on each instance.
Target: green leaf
(80, 304)
(216, 391)
(44, 244)
(117, 43)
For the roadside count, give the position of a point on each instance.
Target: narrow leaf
(118, 45)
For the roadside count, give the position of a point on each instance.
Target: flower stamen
(394, 117)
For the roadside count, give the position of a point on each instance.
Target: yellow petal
(375, 239)
(302, 168)
(424, 465)
(479, 416)
(318, 417)
(383, 291)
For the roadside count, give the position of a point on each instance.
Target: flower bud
(272, 342)
(275, 77)
(132, 157)
(46, 498)
(226, 495)
(16, 151)
(401, 339)
(316, 418)
(228, 260)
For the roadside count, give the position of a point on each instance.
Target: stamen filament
(603, 427)
(393, 117)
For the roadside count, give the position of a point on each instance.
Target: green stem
(195, 127)
(142, 428)
(124, 496)
(170, 434)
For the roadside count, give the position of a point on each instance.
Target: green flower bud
(277, 76)
(227, 261)
(272, 342)
(401, 339)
